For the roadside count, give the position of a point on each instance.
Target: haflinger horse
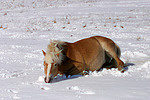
(89, 54)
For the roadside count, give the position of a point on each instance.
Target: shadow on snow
(63, 77)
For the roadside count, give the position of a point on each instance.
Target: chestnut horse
(88, 54)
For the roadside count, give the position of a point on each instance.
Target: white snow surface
(26, 27)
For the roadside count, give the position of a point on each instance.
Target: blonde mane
(55, 47)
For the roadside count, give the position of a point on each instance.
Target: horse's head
(52, 59)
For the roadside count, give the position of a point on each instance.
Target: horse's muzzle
(48, 80)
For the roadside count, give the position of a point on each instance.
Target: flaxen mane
(53, 49)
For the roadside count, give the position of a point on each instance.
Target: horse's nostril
(48, 80)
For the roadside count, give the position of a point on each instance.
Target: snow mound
(112, 71)
(41, 78)
(132, 55)
(146, 65)
(146, 69)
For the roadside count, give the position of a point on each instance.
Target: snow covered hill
(26, 27)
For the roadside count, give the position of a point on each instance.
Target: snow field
(26, 27)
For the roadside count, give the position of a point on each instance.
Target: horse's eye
(55, 64)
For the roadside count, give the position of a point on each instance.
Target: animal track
(79, 91)
(14, 93)
(44, 88)
(7, 74)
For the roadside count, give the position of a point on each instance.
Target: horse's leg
(114, 64)
(109, 65)
(117, 60)
(112, 49)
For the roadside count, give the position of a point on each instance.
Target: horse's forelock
(48, 58)
(54, 48)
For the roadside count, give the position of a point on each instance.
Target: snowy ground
(26, 27)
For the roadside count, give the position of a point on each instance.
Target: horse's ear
(44, 53)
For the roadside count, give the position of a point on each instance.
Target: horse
(89, 54)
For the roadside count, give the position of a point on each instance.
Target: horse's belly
(93, 55)
(97, 63)
(97, 59)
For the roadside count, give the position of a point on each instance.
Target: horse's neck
(65, 65)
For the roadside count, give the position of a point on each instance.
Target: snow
(80, 91)
(26, 27)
